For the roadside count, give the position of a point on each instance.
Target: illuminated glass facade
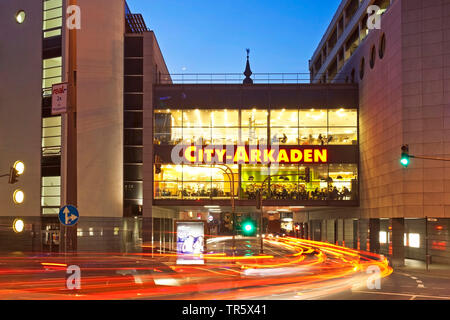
(285, 127)
(331, 130)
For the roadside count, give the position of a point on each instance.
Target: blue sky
(210, 36)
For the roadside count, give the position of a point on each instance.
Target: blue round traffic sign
(68, 215)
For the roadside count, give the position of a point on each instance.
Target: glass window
(343, 118)
(51, 73)
(133, 155)
(169, 172)
(51, 193)
(225, 118)
(52, 18)
(313, 136)
(225, 136)
(284, 136)
(133, 172)
(313, 118)
(167, 190)
(284, 183)
(197, 135)
(133, 190)
(253, 136)
(254, 118)
(197, 118)
(51, 136)
(50, 4)
(342, 181)
(133, 137)
(284, 118)
(342, 136)
(252, 178)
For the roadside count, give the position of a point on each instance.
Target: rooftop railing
(238, 78)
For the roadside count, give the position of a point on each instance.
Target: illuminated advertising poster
(190, 242)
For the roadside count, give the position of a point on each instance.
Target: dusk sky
(210, 36)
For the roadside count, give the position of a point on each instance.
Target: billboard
(190, 242)
(59, 98)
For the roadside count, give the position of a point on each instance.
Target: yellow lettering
(220, 155)
(321, 155)
(188, 153)
(268, 156)
(307, 153)
(282, 156)
(296, 155)
(241, 155)
(255, 155)
(208, 153)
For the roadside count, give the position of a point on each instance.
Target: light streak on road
(303, 268)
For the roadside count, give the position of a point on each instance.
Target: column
(340, 232)
(398, 247)
(363, 227)
(374, 235)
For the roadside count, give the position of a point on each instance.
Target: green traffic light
(404, 161)
(248, 227)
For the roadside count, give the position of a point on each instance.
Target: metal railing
(238, 78)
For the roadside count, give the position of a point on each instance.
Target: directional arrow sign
(68, 215)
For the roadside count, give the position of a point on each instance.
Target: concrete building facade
(401, 69)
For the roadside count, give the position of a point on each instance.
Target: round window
(382, 46)
(20, 16)
(373, 56)
(361, 68)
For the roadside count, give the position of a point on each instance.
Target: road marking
(405, 295)
(414, 278)
(413, 297)
(421, 286)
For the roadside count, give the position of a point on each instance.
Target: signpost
(59, 98)
(68, 217)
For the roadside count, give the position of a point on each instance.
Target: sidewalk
(417, 266)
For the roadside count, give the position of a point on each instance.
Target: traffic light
(404, 160)
(248, 227)
(16, 170)
(13, 175)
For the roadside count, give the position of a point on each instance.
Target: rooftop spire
(248, 71)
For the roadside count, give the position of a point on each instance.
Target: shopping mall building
(153, 148)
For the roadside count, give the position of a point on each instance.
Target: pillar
(374, 235)
(363, 228)
(398, 247)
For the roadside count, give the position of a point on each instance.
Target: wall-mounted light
(18, 196)
(18, 225)
(20, 16)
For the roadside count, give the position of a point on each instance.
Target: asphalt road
(400, 285)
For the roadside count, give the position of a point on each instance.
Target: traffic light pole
(429, 158)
